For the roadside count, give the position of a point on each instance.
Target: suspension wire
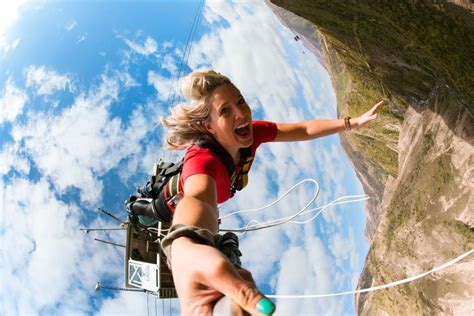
(379, 287)
(108, 242)
(199, 19)
(184, 60)
(350, 199)
(187, 49)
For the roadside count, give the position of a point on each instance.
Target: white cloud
(306, 270)
(127, 80)
(9, 11)
(46, 262)
(261, 52)
(75, 148)
(147, 48)
(164, 86)
(179, 52)
(81, 38)
(167, 44)
(12, 101)
(9, 46)
(142, 162)
(70, 25)
(169, 64)
(46, 81)
(339, 247)
(11, 159)
(136, 304)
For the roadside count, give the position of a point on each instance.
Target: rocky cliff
(417, 161)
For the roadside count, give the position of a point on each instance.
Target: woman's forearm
(317, 128)
(193, 211)
(307, 130)
(198, 207)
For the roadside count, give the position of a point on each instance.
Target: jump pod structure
(145, 264)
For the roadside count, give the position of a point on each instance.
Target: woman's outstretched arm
(202, 274)
(307, 130)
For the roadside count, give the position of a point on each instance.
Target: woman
(219, 116)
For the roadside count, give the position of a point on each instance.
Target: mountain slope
(417, 161)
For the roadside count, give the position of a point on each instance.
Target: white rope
(379, 287)
(280, 222)
(352, 198)
(289, 219)
(256, 225)
(274, 202)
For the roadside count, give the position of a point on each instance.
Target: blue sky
(82, 87)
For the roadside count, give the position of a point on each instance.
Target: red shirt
(199, 160)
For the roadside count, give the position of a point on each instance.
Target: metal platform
(145, 265)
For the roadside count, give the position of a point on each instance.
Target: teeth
(242, 126)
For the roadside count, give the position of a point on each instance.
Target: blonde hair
(185, 122)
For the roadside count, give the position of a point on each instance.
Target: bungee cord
(274, 202)
(282, 221)
(279, 221)
(351, 198)
(256, 225)
(253, 224)
(379, 287)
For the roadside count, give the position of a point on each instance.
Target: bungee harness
(158, 198)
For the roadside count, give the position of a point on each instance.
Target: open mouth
(243, 131)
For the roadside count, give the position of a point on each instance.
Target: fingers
(201, 284)
(371, 114)
(246, 275)
(242, 291)
(377, 107)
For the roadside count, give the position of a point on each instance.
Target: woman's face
(230, 119)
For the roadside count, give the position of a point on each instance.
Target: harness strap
(163, 189)
(237, 173)
(220, 152)
(239, 178)
(228, 244)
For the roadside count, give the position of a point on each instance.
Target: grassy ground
(404, 46)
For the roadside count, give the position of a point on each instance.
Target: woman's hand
(202, 275)
(368, 116)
